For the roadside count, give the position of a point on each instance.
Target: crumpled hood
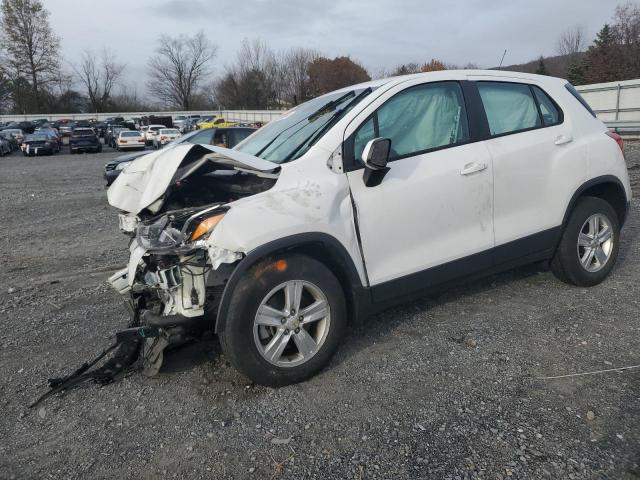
(145, 181)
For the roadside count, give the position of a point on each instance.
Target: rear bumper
(85, 148)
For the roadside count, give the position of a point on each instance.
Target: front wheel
(589, 246)
(285, 320)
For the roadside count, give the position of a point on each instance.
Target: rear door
(526, 139)
(433, 210)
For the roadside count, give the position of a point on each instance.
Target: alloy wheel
(292, 323)
(595, 242)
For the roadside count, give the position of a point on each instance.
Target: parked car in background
(217, 122)
(16, 133)
(179, 121)
(46, 128)
(129, 139)
(111, 134)
(26, 126)
(220, 137)
(40, 143)
(227, 137)
(164, 136)
(13, 143)
(205, 120)
(151, 132)
(84, 140)
(100, 128)
(113, 168)
(66, 129)
(5, 145)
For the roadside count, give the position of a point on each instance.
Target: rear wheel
(285, 320)
(589, 246)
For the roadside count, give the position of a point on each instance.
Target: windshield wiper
(311, 139)
(330, 106)
(321, 111)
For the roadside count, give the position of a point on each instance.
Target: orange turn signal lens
(206, 226)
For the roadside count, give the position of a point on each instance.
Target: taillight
(618, 140)
(163, 138)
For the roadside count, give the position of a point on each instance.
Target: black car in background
(40, 143)
(84, 140)
(221, 137)
(115, 166)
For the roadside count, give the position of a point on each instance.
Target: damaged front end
(175, 277)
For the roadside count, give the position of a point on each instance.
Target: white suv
(362, 198)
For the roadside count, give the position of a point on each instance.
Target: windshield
(300, 128)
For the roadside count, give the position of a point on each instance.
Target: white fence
(249, 116)
(614, 101)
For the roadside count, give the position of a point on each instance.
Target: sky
(378, 33)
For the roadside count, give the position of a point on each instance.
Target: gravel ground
(445, 387)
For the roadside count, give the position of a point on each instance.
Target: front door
(433, 210)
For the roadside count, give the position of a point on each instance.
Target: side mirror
(376, 153)
(375, 157)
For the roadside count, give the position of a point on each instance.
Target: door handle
(473, 167)
(562, 139)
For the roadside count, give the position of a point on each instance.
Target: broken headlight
(206, 225)
(158, 235)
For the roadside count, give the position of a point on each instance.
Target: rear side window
(578, 97)
(417, 120)
(550, 113)
(510, 107)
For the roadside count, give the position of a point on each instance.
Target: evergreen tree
(603, 58)
(576, 73)
(542, 69)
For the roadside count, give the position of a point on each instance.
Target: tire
(240, 336)
(574, 263)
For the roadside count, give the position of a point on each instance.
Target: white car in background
(164, 136)
(128, 139)
(362, 198)
(151, 131)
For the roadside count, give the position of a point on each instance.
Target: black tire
(566, 265)
(237, 337)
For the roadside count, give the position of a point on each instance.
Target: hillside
(556, 66)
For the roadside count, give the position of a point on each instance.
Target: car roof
(454, 75)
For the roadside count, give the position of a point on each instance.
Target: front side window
(417, 120)
(510, 107)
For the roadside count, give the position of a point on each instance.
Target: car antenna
(502, 59)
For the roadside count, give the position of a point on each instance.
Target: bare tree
(98, 75)
(296, 67)
(29, 44)
(572, 42)
(179, 67)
